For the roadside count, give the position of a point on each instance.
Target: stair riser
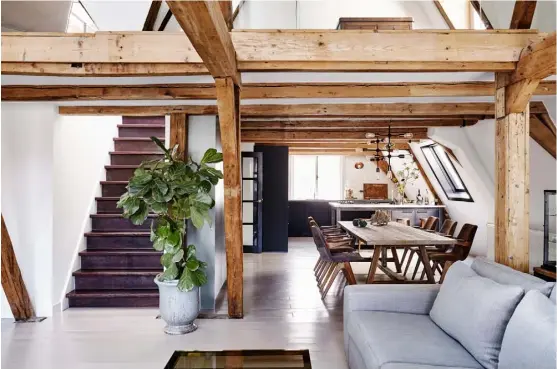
(132, 131)
(113, 282)
(108, 207)
(119, 174)
(121, 261)
(133, 159)
(143, 120)
(136, 146)
(113, 302)
(113, 190)
(119, 242)
(118, 224)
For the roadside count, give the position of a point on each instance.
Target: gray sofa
(483, 316)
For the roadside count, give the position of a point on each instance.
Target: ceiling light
(408, 135)
(370, 135)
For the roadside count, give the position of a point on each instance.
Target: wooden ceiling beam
(204, 24)
(543, 135)
(389, 111)
(523, 14)
(444, 14)
(255, 91)
(152, 15)
(478, 8)
(351, 124)
(278, 135)
(294, 50)
(348, 145)
(537, 61)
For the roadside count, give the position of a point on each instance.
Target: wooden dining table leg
(427, 265)
(374, 261)
(398, 264)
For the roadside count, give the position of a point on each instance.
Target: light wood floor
(283, 310)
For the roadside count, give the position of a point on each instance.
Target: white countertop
(382, 206)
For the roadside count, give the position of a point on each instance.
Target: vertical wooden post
(228, 101)
(12, 281)
(512, 193)
(226, 9)
(179, 134)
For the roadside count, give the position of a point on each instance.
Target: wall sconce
(359, 165)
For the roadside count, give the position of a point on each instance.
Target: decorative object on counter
(380, 218)
(426, 198)
(349, 194)
(419, 198)
(406, 176)
(359, 165)
(359, 222)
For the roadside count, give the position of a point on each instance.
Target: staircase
(119, 264)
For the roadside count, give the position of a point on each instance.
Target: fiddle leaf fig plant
(175, 190)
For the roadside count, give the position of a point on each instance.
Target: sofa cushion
(552, 295)
(529, 340)
(417, 366)
(386, 337)
(504, 275)
(475, 311)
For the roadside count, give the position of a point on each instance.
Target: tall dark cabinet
(275, 197)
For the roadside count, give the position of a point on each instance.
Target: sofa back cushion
(504, 275)
(552, 295)
(475, 311)
(529, 340)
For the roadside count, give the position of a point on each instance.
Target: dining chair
(335, 263)
(428, 225)
(338, 242)
(447, 229)
(456, 252)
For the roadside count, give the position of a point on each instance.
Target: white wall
(267, 15)
(27, 203)
(355, 178)
(81, 149)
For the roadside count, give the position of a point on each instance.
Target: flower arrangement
(405, 176)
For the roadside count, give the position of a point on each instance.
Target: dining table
(393, 236)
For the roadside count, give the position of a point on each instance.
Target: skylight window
(80, 21)
(445, 173)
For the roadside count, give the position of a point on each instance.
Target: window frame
(315, 178)
(446, 174)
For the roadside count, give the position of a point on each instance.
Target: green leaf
(211, 156)
(175, 238)
(199, 277)
(190, 251)
(159, 207)
(202, 197)
(192, 264)
(159, 244)
(178, 256)
(166, 260)
(170, 273)
(160, 144)
(197, 217)
(206, 185)
(186, 282)
(162, 187)
(140, 215)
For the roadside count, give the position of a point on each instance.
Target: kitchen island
(345, 210)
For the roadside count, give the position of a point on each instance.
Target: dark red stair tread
(117, 252)
(114, 182)
(114, 215)
(136, 138)
(142, 125)
(112, 272)
(117, 234)
(113, 293)
(159, 153)
(121, 167)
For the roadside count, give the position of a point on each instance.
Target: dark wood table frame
(392, 237)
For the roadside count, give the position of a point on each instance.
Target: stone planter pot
(178, 309)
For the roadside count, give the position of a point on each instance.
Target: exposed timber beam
(205, 26)
(336, 145)
(152, 15)
(536, 62)
(255, 91)
(351, 125)
(512, 193)
(226, 9)
(345, 152)
(478, 7)
(237, 11)
(389, 111)
(294, 50)
(12, 281)
(281, 135)
(165, 20)
(444, 14)
(179, 134)
(543, 135)
(523, 14)
(228, 94)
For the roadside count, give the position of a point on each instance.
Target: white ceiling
(118, 15)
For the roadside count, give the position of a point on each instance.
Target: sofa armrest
(401, 298)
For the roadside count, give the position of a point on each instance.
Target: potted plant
(175, 190)
(405, 176)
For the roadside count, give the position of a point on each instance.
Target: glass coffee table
(253, 359)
